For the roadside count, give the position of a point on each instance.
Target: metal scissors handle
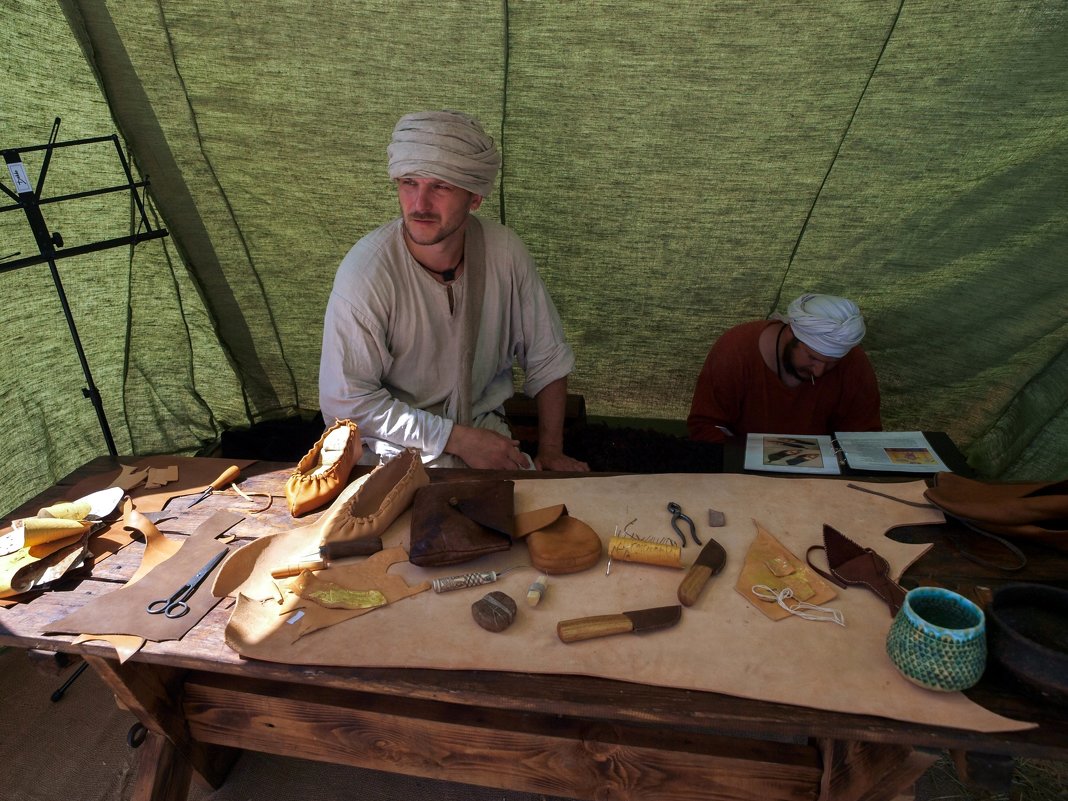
(177, 605)
(676, 516)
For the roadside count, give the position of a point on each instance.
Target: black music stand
(49, 243)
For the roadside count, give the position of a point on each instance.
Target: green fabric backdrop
(675, 168)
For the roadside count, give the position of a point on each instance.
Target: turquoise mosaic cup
(938, 640)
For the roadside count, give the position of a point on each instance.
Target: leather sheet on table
(722, 644)
(124, 610)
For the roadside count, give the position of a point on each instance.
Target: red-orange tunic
(736, 390)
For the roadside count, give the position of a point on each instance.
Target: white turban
(447, 145)
(829, 325)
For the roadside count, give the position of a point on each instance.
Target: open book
(881, 451)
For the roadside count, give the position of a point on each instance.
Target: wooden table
(568, 736)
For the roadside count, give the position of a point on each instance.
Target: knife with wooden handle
(587, 628)
(709, 562)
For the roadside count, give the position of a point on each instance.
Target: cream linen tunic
(391, 344)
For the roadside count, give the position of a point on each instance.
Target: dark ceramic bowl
(1027, 631)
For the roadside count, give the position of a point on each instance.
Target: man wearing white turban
(429, 312)
(799, 373)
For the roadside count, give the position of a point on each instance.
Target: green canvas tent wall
(674, 167)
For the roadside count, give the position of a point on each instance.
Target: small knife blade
(708, 563)
(587, 628)
(227, 476)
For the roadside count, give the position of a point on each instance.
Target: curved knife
(586, 628)
(709, 562)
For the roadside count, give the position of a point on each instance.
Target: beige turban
(829, 325)
(447, 145)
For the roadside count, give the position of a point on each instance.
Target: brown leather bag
(1035, 511)
(457, 521)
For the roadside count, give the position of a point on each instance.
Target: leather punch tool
(676, 516)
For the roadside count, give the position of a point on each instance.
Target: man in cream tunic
(394, 346)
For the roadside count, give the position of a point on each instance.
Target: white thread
(801, 609)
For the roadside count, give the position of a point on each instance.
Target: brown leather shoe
(324, 471)
(385, 494)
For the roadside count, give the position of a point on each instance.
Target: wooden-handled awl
(709, 562)
(227, 476)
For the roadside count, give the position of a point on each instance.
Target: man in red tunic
(799, 373)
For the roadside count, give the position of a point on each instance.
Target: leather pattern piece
(195, 474)
(770, 563)
(312, 486)
(124, 610)
(853, 565)
(558, 543)
(457, 521)
(125, 645)
(273, 619)
(381, 498)
(1033, 511)
(36, 565)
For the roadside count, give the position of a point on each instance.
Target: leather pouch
(852, 565)
(558, 543)
(323, 472)
(457, 521)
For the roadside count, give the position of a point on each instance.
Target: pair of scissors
(676, 516)
(177, 605)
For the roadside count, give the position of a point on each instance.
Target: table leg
(162, 773)
(154, 695)
(859, 771)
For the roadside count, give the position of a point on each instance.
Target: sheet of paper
(786, 453)
(904, 451)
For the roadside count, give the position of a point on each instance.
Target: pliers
(676, 516)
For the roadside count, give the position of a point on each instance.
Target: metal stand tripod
(49, 242)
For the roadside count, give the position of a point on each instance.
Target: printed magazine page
(904, 451)
(785, 453)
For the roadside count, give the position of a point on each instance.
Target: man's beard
(440, 236)
(788, 361)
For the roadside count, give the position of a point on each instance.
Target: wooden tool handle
(346, 548)
(229, 474)
(586, 628)
(295, 569)
(692, 583)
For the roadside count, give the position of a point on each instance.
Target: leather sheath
(457, 521)
(852, 565)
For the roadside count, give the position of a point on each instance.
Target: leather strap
(475, 270)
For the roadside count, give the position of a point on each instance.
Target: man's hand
(484, 449)
(549, 458)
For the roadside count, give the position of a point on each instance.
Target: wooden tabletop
(203, 648)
